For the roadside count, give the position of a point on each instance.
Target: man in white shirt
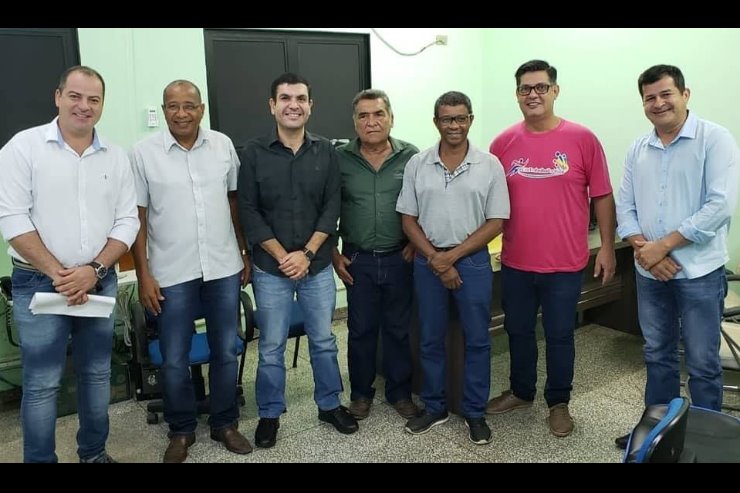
(68, 210)
(185, 182)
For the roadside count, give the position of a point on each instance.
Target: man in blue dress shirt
(677, 197)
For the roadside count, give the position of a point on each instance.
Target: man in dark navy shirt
(289, 198)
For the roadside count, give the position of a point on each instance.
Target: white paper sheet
(56, 304)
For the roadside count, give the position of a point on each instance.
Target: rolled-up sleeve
(126, 223)
(627, 223)
(253, 224)
(329, 214)
(721, 187)
(16, 198)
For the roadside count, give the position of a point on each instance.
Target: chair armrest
(731, 312)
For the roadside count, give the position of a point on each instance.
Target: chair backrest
(255, 317)
(660, 434)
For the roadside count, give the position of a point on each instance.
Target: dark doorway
(241, 64)
(33, 59)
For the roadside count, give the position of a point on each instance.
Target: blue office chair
(147, 357)
(678, 432)
(295, 331)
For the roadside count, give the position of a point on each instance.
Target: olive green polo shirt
(368, 217)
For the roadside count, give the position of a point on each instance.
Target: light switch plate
(151, 118)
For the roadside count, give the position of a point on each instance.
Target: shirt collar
(169, 140)
(471, 157)
(54, 134)
(688, 131)
(273, 138)
(354, 146)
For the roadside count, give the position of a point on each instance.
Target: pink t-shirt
(550, 177)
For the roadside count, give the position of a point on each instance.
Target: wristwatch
(100, 270)
(309, 254)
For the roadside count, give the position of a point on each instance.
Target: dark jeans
(522, 294)
(688, 309)
(379, 301)
(473, 300)
(218, 302)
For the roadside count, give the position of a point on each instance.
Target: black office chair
(729, 351)
(678, 432)
(147, 357)
(660, 434)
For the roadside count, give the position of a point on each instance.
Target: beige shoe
(560, 421)
(506, 402)
(360, 408)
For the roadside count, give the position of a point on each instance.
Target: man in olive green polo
(376, 260)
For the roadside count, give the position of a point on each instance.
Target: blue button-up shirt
(689, 186)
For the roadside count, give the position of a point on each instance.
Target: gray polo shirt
(450, 211)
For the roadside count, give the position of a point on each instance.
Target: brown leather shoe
(177, 450)
(506, 402)
(406, 408)
(232, 440)
(560, 420)
(360, 408)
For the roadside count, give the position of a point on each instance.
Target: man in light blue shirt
(677, 197)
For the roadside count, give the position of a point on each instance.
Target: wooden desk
(613, 305)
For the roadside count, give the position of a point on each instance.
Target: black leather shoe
(266, 433)
(177, 450)
(341, 419)
(232, 440)
(621, 442)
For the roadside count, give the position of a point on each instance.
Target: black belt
(445, 249)
(22, 265)
(377, 253)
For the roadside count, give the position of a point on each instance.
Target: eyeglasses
(187, 107)
(538, 88)
(446, 121)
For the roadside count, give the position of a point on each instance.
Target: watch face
(102, 271)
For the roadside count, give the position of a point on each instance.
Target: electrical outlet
(441, 39)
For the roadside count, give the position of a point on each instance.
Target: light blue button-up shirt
(689, 186)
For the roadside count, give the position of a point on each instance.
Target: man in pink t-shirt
(552, 167)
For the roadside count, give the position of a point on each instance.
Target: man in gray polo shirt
(454, 200)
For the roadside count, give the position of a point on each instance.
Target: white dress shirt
(189, 230)
(75, 203)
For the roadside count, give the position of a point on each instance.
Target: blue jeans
(316, 295)
(218, 302)
(522, 294)
(473, 300)
(379, 300)
(688, 309)
(44, 340)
